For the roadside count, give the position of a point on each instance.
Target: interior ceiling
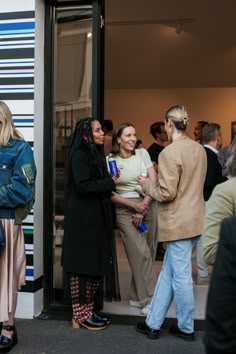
(143, 50)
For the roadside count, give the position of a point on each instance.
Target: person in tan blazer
(221, 205)
(179, 192)
(219, 334)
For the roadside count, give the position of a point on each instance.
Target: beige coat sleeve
(168, 179)
(219, 206)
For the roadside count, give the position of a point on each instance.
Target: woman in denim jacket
(17, 178)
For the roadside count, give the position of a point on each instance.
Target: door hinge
(101, 22)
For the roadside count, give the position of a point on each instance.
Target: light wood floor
(122, 307)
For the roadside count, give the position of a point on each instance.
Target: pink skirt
(12, 266)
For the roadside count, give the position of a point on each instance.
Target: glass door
(75, 94)
(73, 100)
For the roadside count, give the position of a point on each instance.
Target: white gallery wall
(143, 107)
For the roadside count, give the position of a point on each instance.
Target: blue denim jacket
(17, 179)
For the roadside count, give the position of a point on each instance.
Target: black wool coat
(213, 175)
(88, 225)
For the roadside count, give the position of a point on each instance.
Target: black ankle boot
(6, 343)
(102, 317)
(93, 323)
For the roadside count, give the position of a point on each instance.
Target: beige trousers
(140, 250)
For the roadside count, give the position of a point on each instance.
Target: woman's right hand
(137, 219)
(141, 208)
(116, 180)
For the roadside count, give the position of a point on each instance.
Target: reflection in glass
(72, 101)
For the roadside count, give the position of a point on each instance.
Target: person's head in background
(233, 130)
(138, 144)
(176, 122)
(211, 135)
(108, 126)
(157, 130)
(197, 132)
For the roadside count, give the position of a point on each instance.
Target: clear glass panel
(72, 98)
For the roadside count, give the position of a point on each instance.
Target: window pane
(72, 101)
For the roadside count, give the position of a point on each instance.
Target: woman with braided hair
(87, 247)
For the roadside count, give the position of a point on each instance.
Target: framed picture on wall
(233, 129)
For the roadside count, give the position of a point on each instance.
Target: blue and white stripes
(17, 42)
(23, 120)
(22, 27)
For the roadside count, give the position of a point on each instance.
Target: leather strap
(8, 328)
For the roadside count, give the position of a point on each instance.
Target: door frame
(97, 111)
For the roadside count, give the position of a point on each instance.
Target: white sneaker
(135, 303)
(145, 310)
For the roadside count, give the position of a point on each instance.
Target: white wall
(17, 5)
(143, 107)
(38, 136)
(27, 110)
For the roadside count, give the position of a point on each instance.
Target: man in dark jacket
(157, 130)
(212, 143)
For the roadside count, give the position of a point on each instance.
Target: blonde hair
(179, 116)
(8, 129)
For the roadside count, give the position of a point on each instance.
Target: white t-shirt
(130, 169)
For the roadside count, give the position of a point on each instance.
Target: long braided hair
(83, 136)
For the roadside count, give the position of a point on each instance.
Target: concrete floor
(57, 337)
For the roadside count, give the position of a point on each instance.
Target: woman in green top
(134, 208)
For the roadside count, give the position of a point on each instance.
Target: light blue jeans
(175, 281)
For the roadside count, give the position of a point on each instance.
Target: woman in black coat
(87, 247)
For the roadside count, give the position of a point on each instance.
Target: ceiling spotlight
(179, 28)
(89, 35)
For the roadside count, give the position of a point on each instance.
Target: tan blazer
(179, 192)
(221, 205)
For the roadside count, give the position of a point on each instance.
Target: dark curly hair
(83, 136)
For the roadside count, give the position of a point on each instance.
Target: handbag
(2, 238)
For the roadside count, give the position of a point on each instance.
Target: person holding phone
(133, 209)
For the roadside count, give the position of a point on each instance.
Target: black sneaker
(142, 327)
(175, 331)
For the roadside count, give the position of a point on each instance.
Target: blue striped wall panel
(17, 43)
